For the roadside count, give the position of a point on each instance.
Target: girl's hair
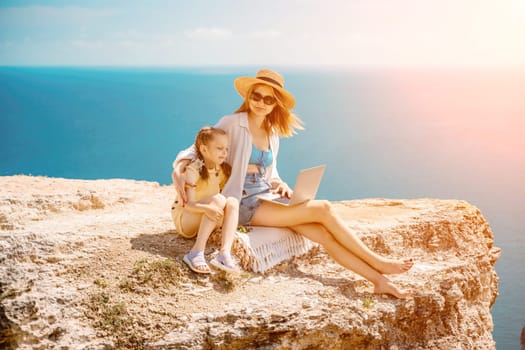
(280, 119)
(204, 136)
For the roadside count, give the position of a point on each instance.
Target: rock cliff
(97, 265)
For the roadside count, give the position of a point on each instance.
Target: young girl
(204, 207)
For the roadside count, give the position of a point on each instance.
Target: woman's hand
(283, 189)
(179, 180)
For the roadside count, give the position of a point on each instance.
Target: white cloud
(267, 34)
(130, 43)
(209, 33)
(130, 40)
(344, 33)
(130, 34)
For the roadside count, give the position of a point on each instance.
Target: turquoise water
(396, 134)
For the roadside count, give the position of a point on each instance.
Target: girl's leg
(207, 225)
(319, 211)
(319, 234)
(229, 224)
(205, 229)
(192, 222)
(224, 260)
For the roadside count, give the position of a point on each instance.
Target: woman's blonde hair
(280, 119)
(204, 136)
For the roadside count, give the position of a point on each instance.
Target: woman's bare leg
(316, 211)
(319, 234)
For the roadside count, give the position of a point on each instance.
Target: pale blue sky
(272, 32)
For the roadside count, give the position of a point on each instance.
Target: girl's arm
(191, 177)
(211, 211)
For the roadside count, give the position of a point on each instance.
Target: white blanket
(264, 247)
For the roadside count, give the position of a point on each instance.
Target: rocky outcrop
(97, 265)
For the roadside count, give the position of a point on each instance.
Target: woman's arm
(179, 179)
(239, 144)
(188, 153)
(179, 167)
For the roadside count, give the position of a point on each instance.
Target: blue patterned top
(262, 158)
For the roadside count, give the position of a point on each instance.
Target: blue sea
(450, 134)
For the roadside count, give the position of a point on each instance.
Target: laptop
(305, 188)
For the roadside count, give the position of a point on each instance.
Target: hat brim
(243, 84)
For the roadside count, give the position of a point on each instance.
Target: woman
(254, 132)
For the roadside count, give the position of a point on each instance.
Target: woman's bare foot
(387, 287)
(392, 267)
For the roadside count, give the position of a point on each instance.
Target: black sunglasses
(268, 100)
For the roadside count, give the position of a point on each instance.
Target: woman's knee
(323, 209)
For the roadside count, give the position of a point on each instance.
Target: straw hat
(266, 77)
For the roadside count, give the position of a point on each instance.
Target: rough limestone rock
(97, 265)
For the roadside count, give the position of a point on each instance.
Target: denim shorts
(254, 186)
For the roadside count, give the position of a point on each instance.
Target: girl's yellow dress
(203, 189)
